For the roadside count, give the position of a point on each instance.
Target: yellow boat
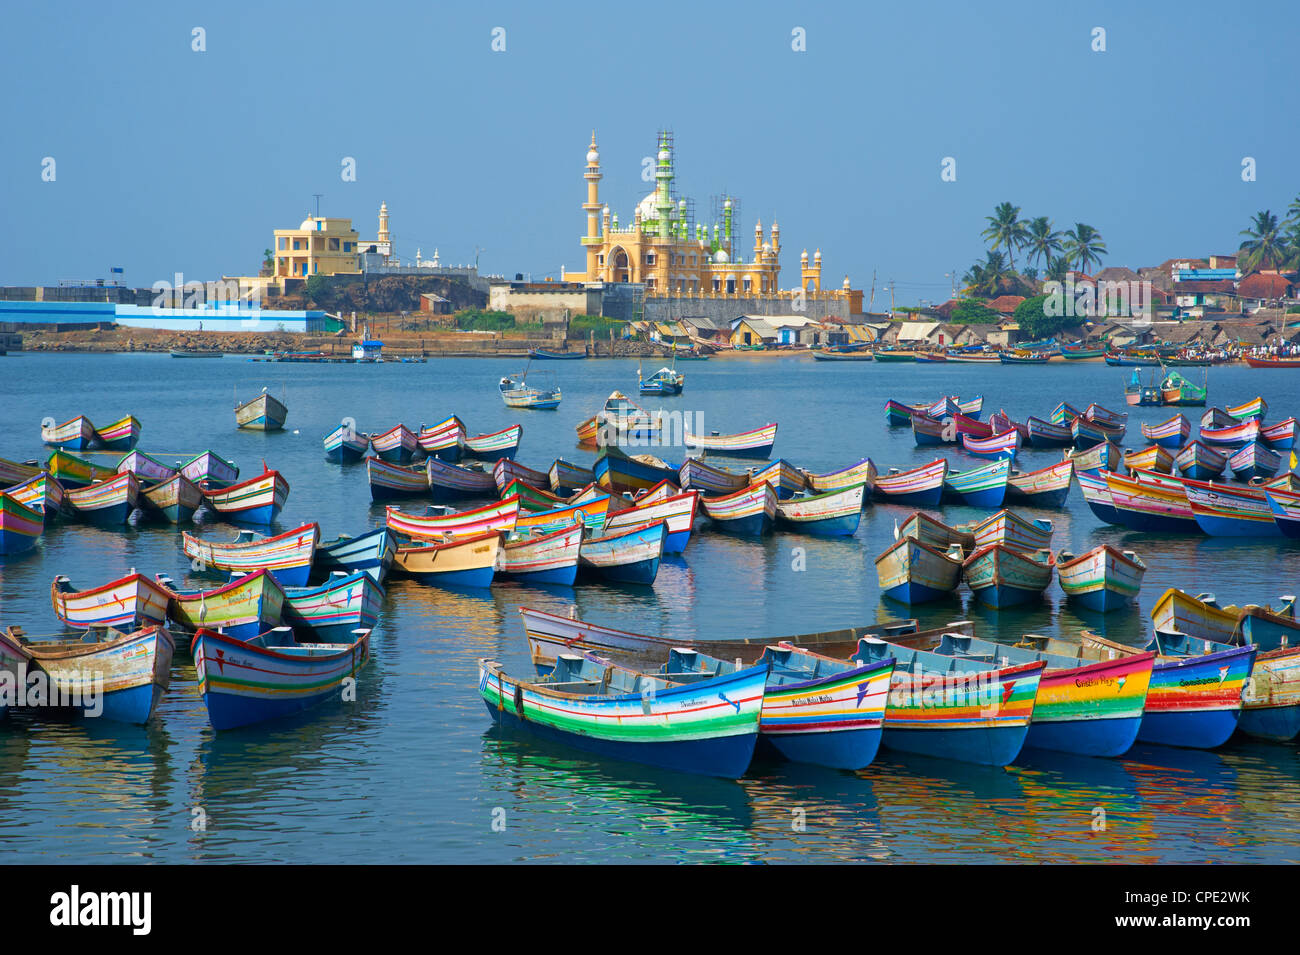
(470, 562)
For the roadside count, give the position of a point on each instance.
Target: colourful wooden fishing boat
(1001, 422)
(532, 499)
(1081, 352)
(1253, 410)
(1101, 457)
(397, 445)
(928, 431)
(1138, 394)
(984, 487)
(1193, 702)
(288, 556)
(1200, 462)
(448, 481)
(1153, 457)
(1087, 433)
(1064, 413)
(1001, 576)
(20, 525)
(591, 511)
(894, 355)
(677, 511)
(665, 381)
(371, 552)
(708, 727)
(174, 500)
(1287, 481)
(864, 473)
(618, 471)
(1217, 418)
(1103, 579)
(41, 493)
(1177, 612)
(749, 512)
(566, 478)
(1096, 494)
(830, 354)
(695, 475)
(620, 420)
(332, 611)
(747, 444)
(1177, 390)
(258, 500)
(517, 393)
(934, 532)
(1044, 434)
(346, 445)
(1280, 436)
(833, 514)
(506, 471)
(271, 675)
(1285, 506)
(626, 556)
(390, 481)
(547, 558)
(1089, 708)
(1004, 445)
(921, 486)
(467, 562)
(108, 503)
(542, 354)
(73, 472)
(501, 516)
(1224, 511)
(105, 674)
(1046, 487)
(786, 479)
(1168, 434)
(913, 572)
(494, 446)
(147, 468)
(1254, 461)
(122, 435)
(899, 415)
(445, 440)
(1268, 628)
(1023, 358)
(75, 434)
(263, 413)
(11, 472)
(210, 471)
(242, 609)
(1009, 528)
(1145, 505)
(952, 708)
(1233, 435)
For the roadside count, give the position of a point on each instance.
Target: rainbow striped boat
(506, 472)
(210, 471)
(389, 481)
(1153, 457)
(11, 472)
(864, 473)
(1044, 434)
(346, 445)
(591, 511)
(932, 531)
(288, 556)
(1253, 410)
(1102, 457)
(1000, 576)
(1088, 433)
(618, 471)
(334, 610)
(73, 472)
(132, 601)
(1224, 511)
(125, 674)
(258, 500)
(20, 525)
(708, 727)
(371, 552)
(121, 435)
(1009, 528)
(1089, 708)
(531, 499)
(786, 479)
(109, 503)
(450, 481)
(1199, 461)
(1231, 435)
(749, 512)
(1047, 487)
(174, 500)
(397, 445)
(1064, 413)
(979, 487)
(146, 467)
(1001, 422)
(75, 434)
(625, 556)
(1096, 494)
(241, 609)
(445, 440)
(566, 477)
(695, 475)
(547, 558)
(953, 708)
(1003, 445)
(448, 524)
(921, 486)
(271, 675)
(833, 514)
(1193, 702)
(1143, 503)
(1254, 461)
(1168, 434)
(493, 447)
(1103, 579)
(1285, 506)
(41, 493)
(913, 572)
(747, 444)
(1280, 436)
(467, 562)
(677, 511)
(262, 413)
(928, 431)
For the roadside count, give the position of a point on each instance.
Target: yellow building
(320, 246)
(673, 256)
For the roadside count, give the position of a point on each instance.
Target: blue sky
(170, 160)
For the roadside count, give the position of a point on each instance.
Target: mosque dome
(593, 156)
(720, 256)
(647, 207)
(664, 155)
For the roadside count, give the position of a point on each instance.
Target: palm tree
(1005, 230)
(987, 278)
(1293, 210)
(1041, 240)
(1057, 269)
(1264, 246)
(1083, 246)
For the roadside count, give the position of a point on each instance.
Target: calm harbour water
(415, 772)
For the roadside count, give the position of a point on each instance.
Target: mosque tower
(592, 207)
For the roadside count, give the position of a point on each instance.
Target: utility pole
(871, 303)
(318, 198)
(891, 298)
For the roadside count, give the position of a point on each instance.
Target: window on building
(649, 258)
(349, 246)
(717, 286)
(284, 244)
(334, 245)
(296, 246)
(746, 283)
